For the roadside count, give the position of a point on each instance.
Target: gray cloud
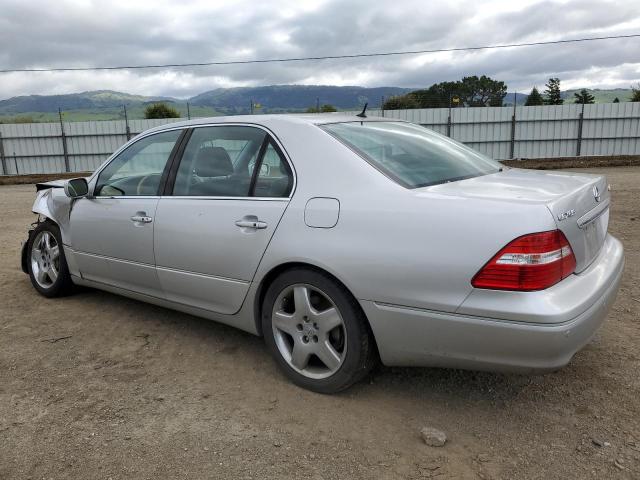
(89, 33)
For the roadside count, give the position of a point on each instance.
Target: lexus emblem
(596, 193)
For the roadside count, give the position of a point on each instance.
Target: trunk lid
(579, 202)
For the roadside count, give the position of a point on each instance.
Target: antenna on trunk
(363, 113)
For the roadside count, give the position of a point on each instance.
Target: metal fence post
(580, 121)
(4, 161)
(449, 118)
(188, 112)
(512, 148)
(126, 123)
(15, 162)
(65, 152)
(382, 105)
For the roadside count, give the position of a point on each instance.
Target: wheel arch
(54, 206)
(272, 274)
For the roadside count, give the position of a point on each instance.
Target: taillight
(530, 262)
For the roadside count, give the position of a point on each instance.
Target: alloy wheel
(309, 331)
(45, 259)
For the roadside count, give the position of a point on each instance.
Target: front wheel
(46, 262)
(316, 331)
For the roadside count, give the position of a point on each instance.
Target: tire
(320, 339)
(47, 269)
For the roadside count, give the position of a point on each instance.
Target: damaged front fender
(52, 203)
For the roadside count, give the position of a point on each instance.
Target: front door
(112, 231)
(231, 188)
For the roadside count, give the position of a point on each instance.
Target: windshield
(412, 155)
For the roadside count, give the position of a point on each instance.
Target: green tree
(616, 100)
(472, 91)
(552, 93)
(437, 95)
(326, 108)
(160, 110)
(635, 93)
(534, 98)
(482, 91)
(583, 96)
(401, 102)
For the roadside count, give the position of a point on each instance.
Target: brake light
(531, 262)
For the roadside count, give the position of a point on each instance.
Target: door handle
(141, 219)
(256, 224)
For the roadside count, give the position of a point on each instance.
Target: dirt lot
(136, 391)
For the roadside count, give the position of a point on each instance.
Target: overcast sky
(79, 33)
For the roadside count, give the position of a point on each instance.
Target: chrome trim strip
(203, 275)
(593, 214)
(142, 264)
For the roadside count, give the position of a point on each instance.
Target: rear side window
(219, 161)
(232, 161)
(411, 155)
(274, 179)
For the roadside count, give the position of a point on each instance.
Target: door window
(219, 161)
(137, 170)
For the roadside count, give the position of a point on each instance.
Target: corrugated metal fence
(499, 132)
(67, 147)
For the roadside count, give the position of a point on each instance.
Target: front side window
(411, 155)
(221, 161)
(137, 170)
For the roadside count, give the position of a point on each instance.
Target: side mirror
(76, 188)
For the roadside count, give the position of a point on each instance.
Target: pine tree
(616, 100)
(534, 98)
(583, 96)
(635, 93)
(552, 93)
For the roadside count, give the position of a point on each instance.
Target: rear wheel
(46, 262)
(316, 331)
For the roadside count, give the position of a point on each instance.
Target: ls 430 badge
(567, 214)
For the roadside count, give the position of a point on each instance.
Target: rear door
(226, 198)
(112, 231)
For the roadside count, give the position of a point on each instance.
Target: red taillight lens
(530, 262)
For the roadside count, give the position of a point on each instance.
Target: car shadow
(246, 351)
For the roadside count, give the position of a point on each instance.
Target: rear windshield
(412, 155)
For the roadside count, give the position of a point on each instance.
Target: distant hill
(601, 95)
(277, 98)
(73, 101)
(107, 104)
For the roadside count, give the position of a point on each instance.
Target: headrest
(213, 162)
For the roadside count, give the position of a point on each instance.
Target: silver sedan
(344, 241)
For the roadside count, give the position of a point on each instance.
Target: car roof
(273, 120)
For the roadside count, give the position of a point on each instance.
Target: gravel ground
(102, 387)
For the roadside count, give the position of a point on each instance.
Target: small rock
(597, 442)
(433, 437)
(277, 444)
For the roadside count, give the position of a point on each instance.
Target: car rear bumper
(415, 337)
